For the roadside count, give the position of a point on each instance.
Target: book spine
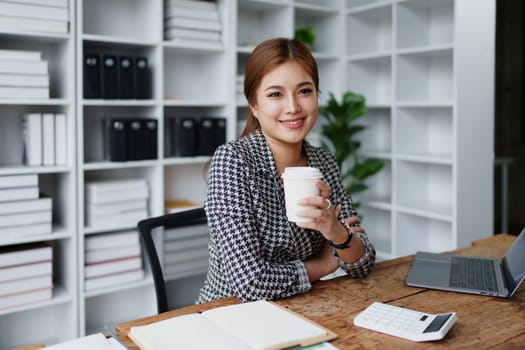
(111, 280)
(60, 139)
(24, 254)
(32, 130)
(111, 240)
(23, 219)
(34, 11)
(25, 271)
(18, 193)
(24, 285)
(48, 139)
(24, 206)
(8, 23)
(20, 80)
(31, 297)
(20, 55)
(24, 92)
(23, 67)
(190, 23)
(52, 3)
(112, 267)
(17, 232)
(8, 181)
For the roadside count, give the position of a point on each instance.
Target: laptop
(469, 274)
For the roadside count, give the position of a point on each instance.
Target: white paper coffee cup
(299, 183)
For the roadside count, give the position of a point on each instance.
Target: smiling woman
(255, 252)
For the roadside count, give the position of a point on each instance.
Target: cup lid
(302, 172)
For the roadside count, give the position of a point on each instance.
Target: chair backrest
(175, 220)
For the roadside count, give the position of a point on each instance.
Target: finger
(352, 220)
(338, 209)
(324, 189)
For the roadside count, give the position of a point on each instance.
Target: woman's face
(287, 104)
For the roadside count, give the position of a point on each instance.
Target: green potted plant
(305, 35)
(339, 131)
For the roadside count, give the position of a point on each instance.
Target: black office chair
(175, 220)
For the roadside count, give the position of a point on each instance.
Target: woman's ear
(253, 110)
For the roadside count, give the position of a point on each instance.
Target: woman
(255, 252)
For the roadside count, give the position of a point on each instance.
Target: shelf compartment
(379, 189)
(425, 186)
(11, 131)
(104, 311)
(425, 131)
(136, 18)
(186, 182)
(94, 128)
(377, 135)
(48, 325)
(378, 227)
(425, 77)
(57, 52)
(260, 20)
(195, 75)
(150, 174)
(370, 31)
(172, 113)
(425, 23)
(324, 25)
(371, 78)
(416, 233)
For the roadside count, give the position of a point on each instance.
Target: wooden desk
(483, 322)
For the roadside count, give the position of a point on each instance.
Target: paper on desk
(94, 341)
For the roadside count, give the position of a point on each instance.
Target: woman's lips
(293, 123)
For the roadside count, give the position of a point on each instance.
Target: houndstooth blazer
(255, 252)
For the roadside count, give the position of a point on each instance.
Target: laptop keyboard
(473, 274)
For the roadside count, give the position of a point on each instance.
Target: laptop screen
(515, 262)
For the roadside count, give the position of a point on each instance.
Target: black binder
(116, 139)
(126, 77)
(142, 78)
(142, 139)
(220, 131)
(135, 146)
(91, 75)
(206, 137)
(109, 77)
(184, 136)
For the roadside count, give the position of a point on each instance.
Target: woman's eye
(305, 91)
(274, 94)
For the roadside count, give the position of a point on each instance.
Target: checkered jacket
(255, 252)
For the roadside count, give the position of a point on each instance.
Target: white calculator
(405, 323)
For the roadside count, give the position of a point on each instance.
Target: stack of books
(116, 202)
(192, 20)
(23, 74)
(26, 274)
(186, 251)
(23, 212)
(49, 16)
(112, 258)
(239, 89)
(45, 139)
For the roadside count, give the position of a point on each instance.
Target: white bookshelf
(429, 119)
(414, 61)
(54, 320)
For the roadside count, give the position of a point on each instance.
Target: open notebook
(256, 325)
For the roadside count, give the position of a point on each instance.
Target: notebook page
(94, 341)
(184, 332)
(263, 325)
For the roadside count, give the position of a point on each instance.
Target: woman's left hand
(324, 214)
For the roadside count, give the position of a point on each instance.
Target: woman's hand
(324, 215)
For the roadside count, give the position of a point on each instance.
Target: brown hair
(265, 57)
